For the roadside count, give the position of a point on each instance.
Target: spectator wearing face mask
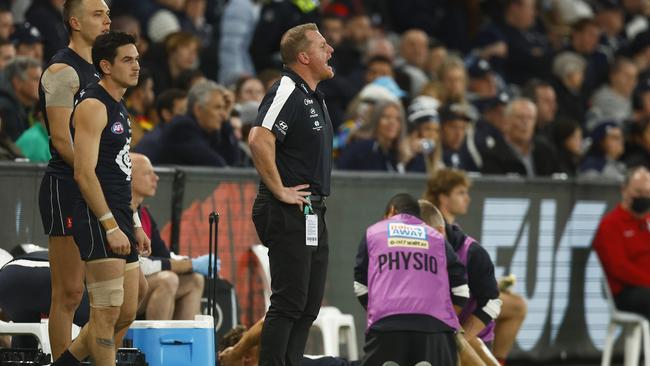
(621, 243)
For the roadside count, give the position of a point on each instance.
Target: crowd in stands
(528, 87)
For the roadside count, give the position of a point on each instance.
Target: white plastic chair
(636, 330)
(330, 321)
(332, 324)
(262, 254)
(38, 330)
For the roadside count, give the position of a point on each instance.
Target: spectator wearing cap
(414, 51)
(607, 146)
(585, 34)
(569, 72)
(7, 52)
(529, 51)
(614, 100)
(386, 149)
(202, 137)
(424, 135)
(566, 136)
(523, 154)
(488, 136)
(19, 95)
(609, 16)
(482, 80)
(46, 16)
(637, 152)
(28, 41)
(454, 120)
(169, 104)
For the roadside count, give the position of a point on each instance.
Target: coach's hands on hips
(118, 242)
(144, 243)
(294, 195)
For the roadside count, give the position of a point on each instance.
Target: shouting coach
(291, 145)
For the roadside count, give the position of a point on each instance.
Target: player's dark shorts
(406, 348)
(56, 200)
(91, 237)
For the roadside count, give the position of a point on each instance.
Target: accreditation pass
(311, 230)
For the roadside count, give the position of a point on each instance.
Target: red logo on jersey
(117, 128)
(68, 222)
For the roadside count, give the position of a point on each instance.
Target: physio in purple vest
(413, 287)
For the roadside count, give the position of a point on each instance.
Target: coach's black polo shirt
(299, 119)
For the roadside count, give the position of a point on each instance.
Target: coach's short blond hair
(295, 41)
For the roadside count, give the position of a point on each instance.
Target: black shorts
(91, 237)
(406, 348)
(56, 200)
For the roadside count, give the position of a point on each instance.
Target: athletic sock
(66, 359)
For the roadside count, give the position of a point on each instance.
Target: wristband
(108, 221)
(107, 216)
(136, 220)
(110, 231)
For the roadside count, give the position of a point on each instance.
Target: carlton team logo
(117, 128)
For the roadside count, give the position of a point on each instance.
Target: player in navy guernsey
(104, 227)
(69, 71)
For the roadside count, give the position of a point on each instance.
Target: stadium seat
(38, 330)
(262, 254)
(636, 330)
(333, 324)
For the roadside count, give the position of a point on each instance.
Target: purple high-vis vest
(487, 334)
(407, 271)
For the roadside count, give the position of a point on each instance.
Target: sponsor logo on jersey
(117, 128)
(317, 126)
(403, 235)
(309, 101)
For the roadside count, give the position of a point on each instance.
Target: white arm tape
(136, 220)
(461, 291)
(493, 308)
(149, 266)
(106, 216)
(360, 289)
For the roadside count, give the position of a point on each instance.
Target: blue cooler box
(175, 342)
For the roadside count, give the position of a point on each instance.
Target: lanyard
(307, 209)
